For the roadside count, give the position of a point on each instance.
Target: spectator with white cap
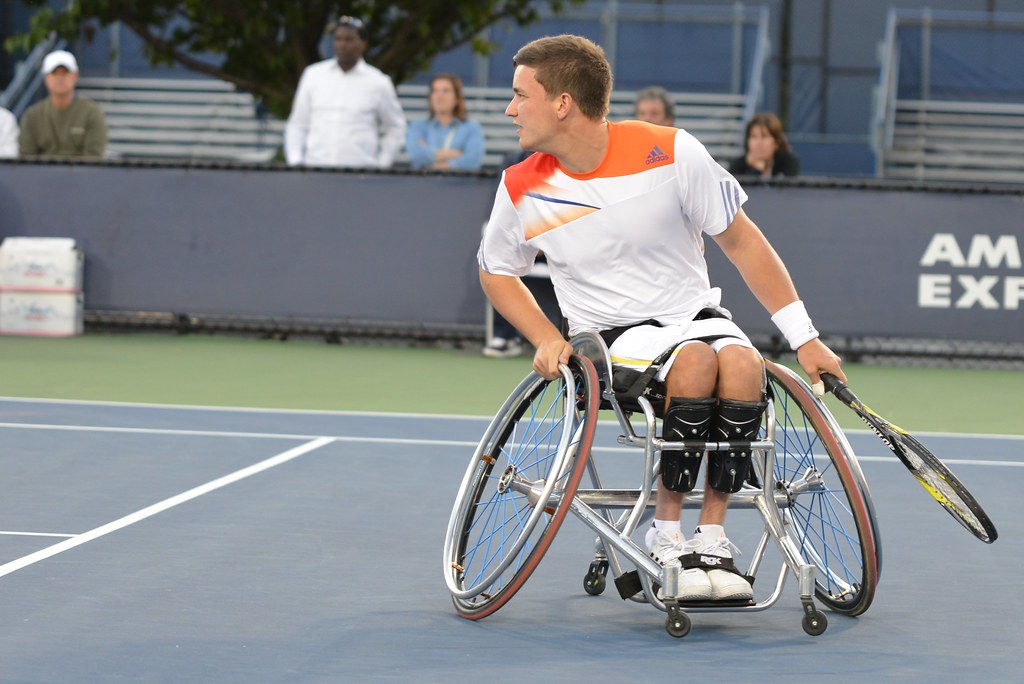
(8, 134)
(62, 125)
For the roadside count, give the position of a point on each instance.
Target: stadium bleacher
(202, 119)
(949, 101)
(182, 119)
(716, 119)
(952, 140)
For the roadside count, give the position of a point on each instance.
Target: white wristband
(795, 325)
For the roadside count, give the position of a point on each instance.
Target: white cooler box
(55, 314)
(40, 287)
(45, 264)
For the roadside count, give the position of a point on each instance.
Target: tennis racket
(932, 473)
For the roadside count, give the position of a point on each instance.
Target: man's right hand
(513, 301)
(550, 354)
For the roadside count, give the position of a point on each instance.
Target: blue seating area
(951, 98)
(209, 120)
(942, 100)
(165, 118)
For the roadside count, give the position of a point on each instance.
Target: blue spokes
(501, 516)
(820, 515)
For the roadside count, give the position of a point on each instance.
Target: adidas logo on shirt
(655, 156)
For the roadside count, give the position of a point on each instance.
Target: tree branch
(163, 47)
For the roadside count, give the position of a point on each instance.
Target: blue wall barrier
(870, 259)
(261, 242)
(875, 261)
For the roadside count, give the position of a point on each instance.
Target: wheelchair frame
(524, 479)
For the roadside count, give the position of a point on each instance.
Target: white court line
(947, 461)
(12, 533)
(398, 414)
(155, 431)
(876, 459)
(132, 518)
(396, 440)
(249, 409)
(221, 433)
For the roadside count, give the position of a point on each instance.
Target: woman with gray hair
(654, 105)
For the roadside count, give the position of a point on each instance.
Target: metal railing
(21, 91)
(885, 95)
(762, 47)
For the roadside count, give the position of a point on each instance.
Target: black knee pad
(685, 419)
(734, 421)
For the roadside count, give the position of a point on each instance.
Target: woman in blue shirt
(446, 140)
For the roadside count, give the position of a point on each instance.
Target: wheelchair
(526, 476)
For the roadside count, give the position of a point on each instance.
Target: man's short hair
(660, 94)
(574, 65)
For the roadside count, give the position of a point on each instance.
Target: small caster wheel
(815, 623)
(678, 623)
(594, 583)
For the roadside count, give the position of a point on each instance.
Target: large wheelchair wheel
(830, 513)
(519, 487)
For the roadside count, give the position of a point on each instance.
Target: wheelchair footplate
(628, 585)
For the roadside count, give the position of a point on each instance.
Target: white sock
(709, 532)
(667, 525)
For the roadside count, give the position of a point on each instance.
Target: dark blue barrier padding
(870, 259)
(891, 263)
(261, 242)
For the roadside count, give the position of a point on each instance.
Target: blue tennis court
(164, 544)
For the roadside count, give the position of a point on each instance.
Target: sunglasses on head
(353, 22)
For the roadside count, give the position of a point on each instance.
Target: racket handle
(838, 388)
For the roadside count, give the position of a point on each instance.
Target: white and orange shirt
(624, 242)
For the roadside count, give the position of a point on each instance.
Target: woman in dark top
(767, 151)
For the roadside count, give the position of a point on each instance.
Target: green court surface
(302, 374)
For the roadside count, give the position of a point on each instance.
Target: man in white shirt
(8, 134)
(345, 112)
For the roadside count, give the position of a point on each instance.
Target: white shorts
(639, 346)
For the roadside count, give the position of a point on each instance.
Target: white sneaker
(500, 348)
(666, 548)
(725, 585)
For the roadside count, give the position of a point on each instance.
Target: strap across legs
(643, 381)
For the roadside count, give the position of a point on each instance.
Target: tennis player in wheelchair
(620, 211)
